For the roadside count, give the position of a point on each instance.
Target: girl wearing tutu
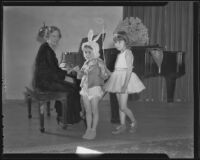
(123, 81)
(92, 74)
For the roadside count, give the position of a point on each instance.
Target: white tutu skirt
(117, 79)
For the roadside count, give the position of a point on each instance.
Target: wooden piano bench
(43, 98)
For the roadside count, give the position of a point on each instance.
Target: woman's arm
(59, 74)
(52, 61)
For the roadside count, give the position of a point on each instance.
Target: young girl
(93, 74)
(123, 81)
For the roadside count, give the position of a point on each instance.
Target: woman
(49, 77)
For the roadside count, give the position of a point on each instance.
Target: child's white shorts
(93, 92)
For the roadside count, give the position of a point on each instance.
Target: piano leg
(114, 108)
(170, 85)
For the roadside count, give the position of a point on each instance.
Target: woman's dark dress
(48, 76)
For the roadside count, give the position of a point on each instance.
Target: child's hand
(79, 74)
(108, 72)
(76, 68)
(123, 90)
(82, 114)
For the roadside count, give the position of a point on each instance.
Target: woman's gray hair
(51, 29)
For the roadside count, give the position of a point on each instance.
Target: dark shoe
(115, 121)
(58, 119)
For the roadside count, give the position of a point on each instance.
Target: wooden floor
(156, 121)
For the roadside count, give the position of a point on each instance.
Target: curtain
(171, 27)
(3, 79)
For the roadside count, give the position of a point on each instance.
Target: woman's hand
(62, 65)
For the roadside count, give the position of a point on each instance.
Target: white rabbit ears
(93, 43)
(91, 34)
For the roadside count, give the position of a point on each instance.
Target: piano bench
(43, 98)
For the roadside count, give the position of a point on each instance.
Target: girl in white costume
(123, 81)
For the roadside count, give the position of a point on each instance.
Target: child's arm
(80, 72)
(105, 73)
(129, 62)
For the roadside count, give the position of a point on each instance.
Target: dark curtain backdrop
(171, 27)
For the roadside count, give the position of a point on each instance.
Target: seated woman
(49, 77)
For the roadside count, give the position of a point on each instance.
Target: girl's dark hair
(51, 29)
(121, 35)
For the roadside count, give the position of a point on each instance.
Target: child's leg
(91, 132)
(88, 111)
(82, 112)
(121, 114)
(122, 127)
(95, 112)
(123, 106)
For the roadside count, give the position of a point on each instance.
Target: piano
(145, 66)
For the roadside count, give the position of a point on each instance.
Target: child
(93, 74)
(123, 81)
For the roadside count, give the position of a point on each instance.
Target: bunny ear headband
(93, 43)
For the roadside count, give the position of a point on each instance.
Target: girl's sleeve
(129, 59)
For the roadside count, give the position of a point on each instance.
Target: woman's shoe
(119, 129)
(133, 127)
(59, 120)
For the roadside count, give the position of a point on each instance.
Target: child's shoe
(133, 127)
(120, 129)
(91, 135)
(86, 134)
